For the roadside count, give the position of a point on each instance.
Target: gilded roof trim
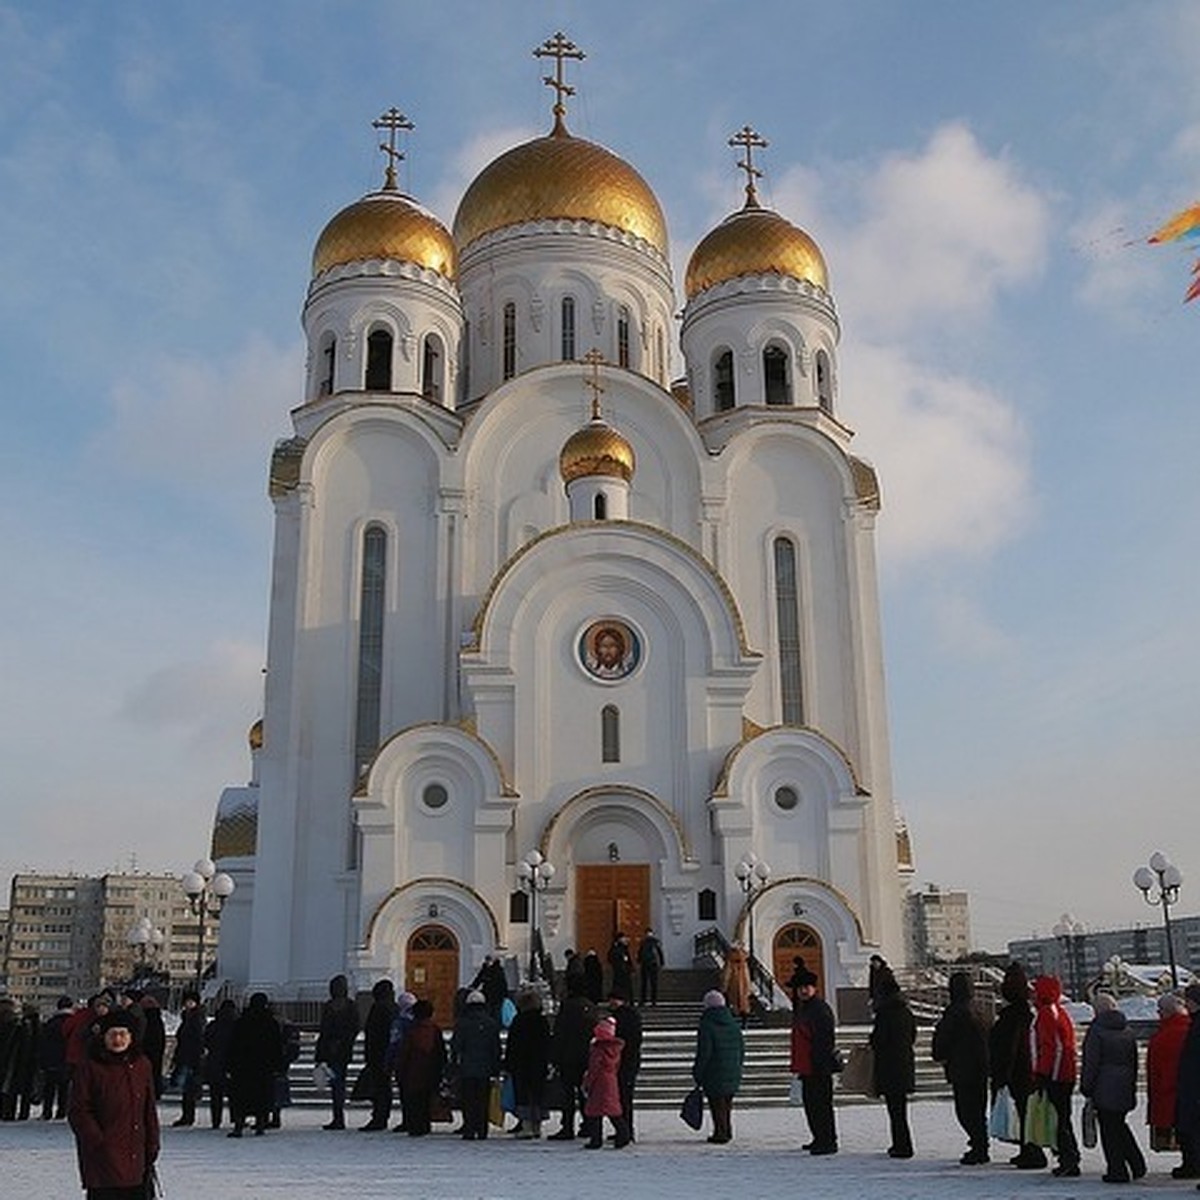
(466, 727)
(807, 881)
(621, 789)
(425, 881)
(721, 787)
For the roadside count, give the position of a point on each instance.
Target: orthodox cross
(391, 120)
(559, 48)
(748, 139)
(594, 358)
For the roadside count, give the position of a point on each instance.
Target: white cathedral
(529, 594)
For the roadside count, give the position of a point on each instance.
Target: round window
(435, 796)
(786, 798)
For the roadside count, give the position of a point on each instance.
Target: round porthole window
(786, 798)
(435, 796)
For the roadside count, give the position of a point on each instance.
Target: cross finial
(392, 120)
(594, 358)
(560, 48)
(748, 139)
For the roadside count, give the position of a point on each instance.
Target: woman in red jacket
(112, 1112)
(1162, 1077)
(602, 1088)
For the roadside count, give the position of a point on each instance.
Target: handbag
(691, 1111)
(1004, 1122)
(796, 1092)
(1088, 1125)
(1041, 1121)
(495, 1108)
(858, 1077)
(508, 1094)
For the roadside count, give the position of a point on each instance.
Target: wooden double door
(797, 941)
(431, 970)
(610, 897)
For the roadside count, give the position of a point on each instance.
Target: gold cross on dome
(560, 48)
(594, 358)
(392, 120)
(748, 139)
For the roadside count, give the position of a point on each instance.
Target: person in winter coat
(573, 1027)
(1187, 1095)
(717, 1066)
(650, 962)
(960, 1044)
(475, 1058)
(735, 982)
(218, 1037)
(620, 963)
(593, 976)
(188, 1058)
(255, 1059)
(81, 1025)
(1109, 1080)
(602, 1089)
(335, 1044)
(1052, 1048)
(420, 1066)
(813, 1058)
(629, 1031)
(401, 1024)
(893, 1035)
(52, 1061)
(493, 983)
(154, 1038)
(113, 1114)
(1009, 1059)
(375, 1082)
(1162, 1078)
(527, 1061)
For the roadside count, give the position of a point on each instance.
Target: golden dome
(596, 449)
(386, 224)
(235, 831)
(560, 176)
(255, 736)
(755, 241)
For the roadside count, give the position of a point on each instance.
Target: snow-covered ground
(303, 1162)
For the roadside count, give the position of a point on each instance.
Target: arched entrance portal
(610, 897)
(801, 941)
(431, 970)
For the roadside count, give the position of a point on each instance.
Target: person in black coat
(52, 1061)
(620, 963)
(188, 1058)
(527, 1060)
(814, 1058)
(153, 1039)
(375, 1082)
(629, 1030)
(1009, 1059)
(960, 1044)
(650, 961)
(335, 1044)
(892, 1038)
(218, 1036)
(593, 976)
(573, 1029)
(493, 983)
(255, 1058)
(1109, 1080)
(475, 1058)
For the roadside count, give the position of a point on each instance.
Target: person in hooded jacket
(218, 1037)
(1109, 1080)
(335, 1045)
(401, 1024)
(475, 1057)
(1052, 1048)
(113, 1114)
(573, 1026)
(602, 1089)
(375, 1082)
(255, 1059)
(735, 982)
(527, 1060)
(893, 1036)
(420, 1066)
(1162, 1080)
(1009, 1059)
(717, 1066)
(960, 1044)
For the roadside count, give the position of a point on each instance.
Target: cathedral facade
(534, 602)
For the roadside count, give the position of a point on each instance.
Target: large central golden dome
(755, 241)
(386, 224)
(560, 176)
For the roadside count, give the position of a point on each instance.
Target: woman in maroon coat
(1162, 1079)
(112, 1112)
(602, 1088)
(420, 1066)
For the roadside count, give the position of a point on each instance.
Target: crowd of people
(101, 1066)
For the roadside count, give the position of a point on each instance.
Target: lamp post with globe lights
(207, 889)
(533, 875)
(1073, 935)
(752, 874)
(146, 940)
(1164, 874)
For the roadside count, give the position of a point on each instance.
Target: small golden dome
(596, 449)
(386, 224)
(755, 241)
(255, 736)
(235, 831)
(560, 176)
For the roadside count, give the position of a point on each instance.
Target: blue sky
(1016, 361)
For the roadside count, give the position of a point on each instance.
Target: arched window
(568, 328)
(370, 647)
(824, 383)
(610, 734)
(706, 905)
(431, 369)
(775, 376)
(328, 358)
(622, 336)
(600, 506)
(518, 908)
(787, 612)
(510, 340)
(379, 361)
(723, 395)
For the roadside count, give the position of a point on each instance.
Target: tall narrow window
(379, 361)
(824, 383)
(568, 328)
(510, 340)
(723, 397)
(787, 610)
(328, 358)
(660, 355)
(464, 376)
(370, 647)
(610, 734)
(775, 376)
(431, 369)
(622, 336)
(600, 507)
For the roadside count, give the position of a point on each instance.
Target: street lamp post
(145, 939)
(752, 874)
(1166, 875)
(533, 875)
(1072, 934)
(207, 890)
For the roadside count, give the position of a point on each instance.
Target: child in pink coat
(602, 1089)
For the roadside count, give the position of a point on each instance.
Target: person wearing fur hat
(960, 1044)
(335, 1044)
(893, 1036)
(1162, 1080)
(420, 1065)
(601, 1089)
(813, 1058)
(475, 1057)
(1109, 1080)
(1009, 1060)
(113, 1114)
(717, 1066)
(1052, 1045)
